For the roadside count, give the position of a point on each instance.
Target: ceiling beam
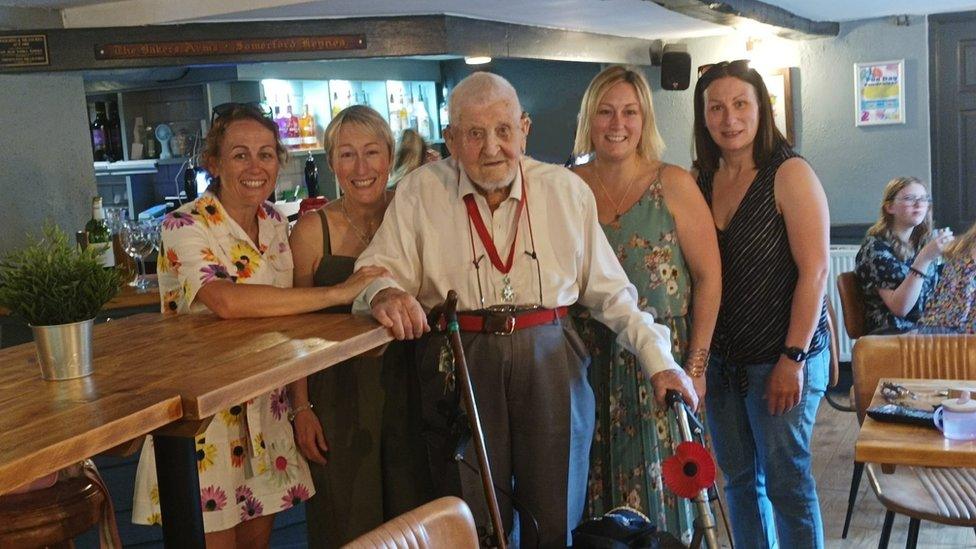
(130, 13)
(736, 12)
(29, 18)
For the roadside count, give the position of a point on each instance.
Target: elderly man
(520, 242)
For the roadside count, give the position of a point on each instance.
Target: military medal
(508, 293)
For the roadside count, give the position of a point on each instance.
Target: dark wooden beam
(733, 12)
(405, 36)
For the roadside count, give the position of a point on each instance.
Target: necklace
(615, 203)
(364, 236)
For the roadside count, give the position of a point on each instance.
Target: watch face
(794, 353)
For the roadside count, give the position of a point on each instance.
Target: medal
(508, 293)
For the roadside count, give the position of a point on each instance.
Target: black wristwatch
(795, 354)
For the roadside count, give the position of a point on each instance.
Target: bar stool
(51, 517)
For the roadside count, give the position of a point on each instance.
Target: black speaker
(675, 67)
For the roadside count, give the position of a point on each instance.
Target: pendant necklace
(365, 237)
(615, 203)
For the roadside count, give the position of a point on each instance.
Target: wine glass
(139, 239)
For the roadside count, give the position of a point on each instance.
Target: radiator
(841, 260)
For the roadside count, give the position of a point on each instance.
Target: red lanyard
(486, 241)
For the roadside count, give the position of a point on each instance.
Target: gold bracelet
(294, 411)
(697, 362)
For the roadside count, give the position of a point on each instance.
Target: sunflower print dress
(247, 459)
(632, 435)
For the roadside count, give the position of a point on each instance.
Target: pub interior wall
(853, 163)
(45, 154)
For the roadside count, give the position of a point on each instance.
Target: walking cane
(691, 472)
(467, 392)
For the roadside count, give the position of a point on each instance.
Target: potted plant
(58, 288)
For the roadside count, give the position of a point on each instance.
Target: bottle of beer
(99, 235)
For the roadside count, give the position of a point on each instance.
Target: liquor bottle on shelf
(99, 235)
(443, 114)
(292, 136)
(281, 120)
(420, 113)
(311, 176)
(336, 107)
(99, 133)
(152, 146)
(404, 114)
(114, 132)
(394, 117)
(306, 127)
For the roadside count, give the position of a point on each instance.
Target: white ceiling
(637, 18)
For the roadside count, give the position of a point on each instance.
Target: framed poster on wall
(781, 96)
(879, 93)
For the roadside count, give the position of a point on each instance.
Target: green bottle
(99, 235)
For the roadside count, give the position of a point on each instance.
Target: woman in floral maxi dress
(658, 223)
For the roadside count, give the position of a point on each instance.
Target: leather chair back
(913, 356)
(852, 304)
(444, 522)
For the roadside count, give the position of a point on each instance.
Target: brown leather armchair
(852, 304)
(442, 523)
(922, 493)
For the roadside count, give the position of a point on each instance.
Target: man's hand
(679, 381)
(784, 386)
(400, 312)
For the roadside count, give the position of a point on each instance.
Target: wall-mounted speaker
(675, 67)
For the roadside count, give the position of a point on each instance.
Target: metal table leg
(179, 491)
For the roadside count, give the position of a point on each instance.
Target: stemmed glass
(139, 239)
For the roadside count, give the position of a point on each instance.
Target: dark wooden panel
(967, 65)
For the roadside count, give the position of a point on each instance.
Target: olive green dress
(376, 466)
(632, 435)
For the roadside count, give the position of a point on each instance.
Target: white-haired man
(520, 242)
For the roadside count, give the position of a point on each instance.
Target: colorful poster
(879, 93)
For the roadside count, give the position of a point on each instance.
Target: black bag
(622, 528)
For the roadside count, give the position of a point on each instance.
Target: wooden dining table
(167, 375)
(892, 444)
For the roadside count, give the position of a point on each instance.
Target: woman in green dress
(660, 226)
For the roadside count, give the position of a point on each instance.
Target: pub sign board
(238, 46)
(24, 50)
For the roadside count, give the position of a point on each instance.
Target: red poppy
(689, 471)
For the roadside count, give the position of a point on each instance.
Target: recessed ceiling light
(477, 60)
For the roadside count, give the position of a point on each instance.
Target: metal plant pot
(64, 351)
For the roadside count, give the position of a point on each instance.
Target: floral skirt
(632, 435)
(248, 463)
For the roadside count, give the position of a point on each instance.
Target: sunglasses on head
(738, 64)
(253, 107)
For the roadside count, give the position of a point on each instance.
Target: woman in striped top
(769, 354)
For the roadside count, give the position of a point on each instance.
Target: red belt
(504, 323)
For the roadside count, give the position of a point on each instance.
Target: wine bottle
(336, 107)
(99, 133)
(420, 112)
(306, 127)
(311, 176)
(99, 235)
(152, 146)
(114, 132)
(394, 117)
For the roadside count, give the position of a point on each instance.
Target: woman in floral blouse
(896, 262)
(953, 305)
(227, 253)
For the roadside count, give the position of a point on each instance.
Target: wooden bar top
(151, 370)
(900, 444)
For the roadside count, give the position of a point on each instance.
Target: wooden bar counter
(151, 371)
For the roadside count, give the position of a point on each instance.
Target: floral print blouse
(878, 267)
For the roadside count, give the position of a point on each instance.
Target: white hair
(481, 88)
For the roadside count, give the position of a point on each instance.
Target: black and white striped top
(758, 275)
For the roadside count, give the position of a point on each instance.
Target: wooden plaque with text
(238, 46)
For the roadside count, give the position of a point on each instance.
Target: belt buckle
(509, 326)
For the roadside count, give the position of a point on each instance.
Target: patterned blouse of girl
(247, 459)
(878, 267)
